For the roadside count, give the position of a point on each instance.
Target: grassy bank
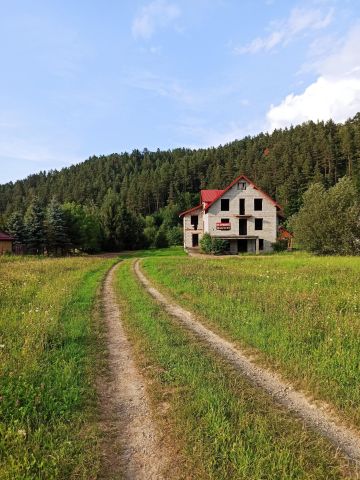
(301, 313)
(47, 361)
(218, 425)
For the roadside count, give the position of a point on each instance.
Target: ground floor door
(242, 226)
(195, 239)
(242, 246)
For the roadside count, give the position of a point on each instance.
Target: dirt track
(131, 447)
(343, 438)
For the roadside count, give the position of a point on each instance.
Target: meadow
(49, 346)
(298, 314)
(216, 424)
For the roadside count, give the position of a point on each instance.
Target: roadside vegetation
(217, 425)
(298, 313)
(48, 359)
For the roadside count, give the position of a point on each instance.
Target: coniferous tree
(16, 228)
(34, 227)
(57, 239)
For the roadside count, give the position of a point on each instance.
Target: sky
(81, 78)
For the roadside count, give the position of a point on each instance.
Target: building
(6, 243)
(242, 214)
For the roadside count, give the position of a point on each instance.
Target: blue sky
(88, 77)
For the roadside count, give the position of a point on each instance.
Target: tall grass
(220, 427)
(300, 312)
(47, 361)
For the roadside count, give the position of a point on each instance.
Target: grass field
(301, 313)
(48, 358)
(218, 425)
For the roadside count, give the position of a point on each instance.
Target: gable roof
(209, 196)
(242, 177)
(5, 237)
(190, 210)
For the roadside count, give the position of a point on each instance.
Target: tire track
(343, 438)
(131, 444)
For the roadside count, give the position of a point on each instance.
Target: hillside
(283, 163)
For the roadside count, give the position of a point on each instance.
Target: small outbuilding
(6, 243)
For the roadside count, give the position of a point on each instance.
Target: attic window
(241, 186)
(258, 204)
(225, 205)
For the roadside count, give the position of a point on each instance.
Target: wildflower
(22, 433)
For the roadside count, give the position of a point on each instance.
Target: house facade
(242, 214)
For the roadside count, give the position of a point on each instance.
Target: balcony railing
(223, 226)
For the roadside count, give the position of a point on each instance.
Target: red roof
(283, 233)
(209, 196)
(242, 177)
(190, 210)
(4, 236)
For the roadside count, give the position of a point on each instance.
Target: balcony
(223, 226)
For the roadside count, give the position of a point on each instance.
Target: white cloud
(158, 13)
(335, 93)
(283, 32)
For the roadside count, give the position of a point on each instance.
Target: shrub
(206, 243)
(174, 236)
(280, 245)
(218, 246)
(212, 245)
(160, 239)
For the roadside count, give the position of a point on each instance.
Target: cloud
(283, 32)
(334, 94)
(157, 14)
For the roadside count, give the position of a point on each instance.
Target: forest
(132, 200)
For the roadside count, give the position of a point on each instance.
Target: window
(258, 204)
(225, 220)
(225, 204)
(261, 244)
(195, 221)
(258, 223)
(242, 206)
(241, 186)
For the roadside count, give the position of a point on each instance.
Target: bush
(218, 246)
(212, 245)
(280, 245)
(174, 236)
(206, 243)
(160, 239)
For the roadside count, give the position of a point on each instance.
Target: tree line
(145, 191)
(59, 229)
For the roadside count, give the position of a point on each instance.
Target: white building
(242, 214)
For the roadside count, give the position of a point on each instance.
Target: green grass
(219, 426)
(47, 365)
(155, 252)
(300, 312)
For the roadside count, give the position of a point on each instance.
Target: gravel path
(131, 446)
(343, 438)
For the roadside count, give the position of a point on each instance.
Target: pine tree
(57, 239)
(16, 228)
(34, 226)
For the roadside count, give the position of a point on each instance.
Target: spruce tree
(34, 227)
(57, 239)
(16, 228)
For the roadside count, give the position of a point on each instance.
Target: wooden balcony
(223, 226)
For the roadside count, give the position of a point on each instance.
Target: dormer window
(241, 186)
